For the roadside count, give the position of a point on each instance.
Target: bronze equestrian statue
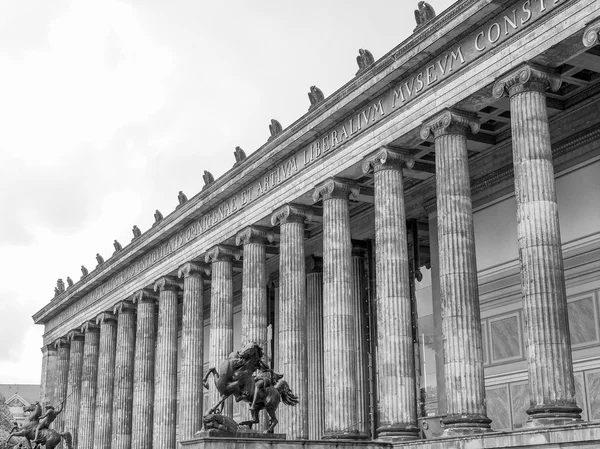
(48, 438)
(263, 390)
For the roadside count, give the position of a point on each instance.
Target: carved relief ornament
(291, 213)
(335, 188)
(387, 159)
(524, 78)
(450, 121)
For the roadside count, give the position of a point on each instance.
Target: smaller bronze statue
(315, 96)
(99, 259)
(136, 232)
(118, 246)
(208, 178)
(60, 285)
(364, 60)
(274, 128)
(157, 217)
(69, 282)
(181, 198)
(424, 14)
(46, 419)
(84, 271)
(240, 155)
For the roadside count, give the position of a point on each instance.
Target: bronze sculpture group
(36, 428)
(246, 377)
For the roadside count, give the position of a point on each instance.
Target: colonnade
(118, 374)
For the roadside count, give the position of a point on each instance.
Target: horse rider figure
(263, 379)
(46, 419)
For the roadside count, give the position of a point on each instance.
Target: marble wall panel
(519, 394)
(580, 394)
(485, 342)
(498, 407)
(506, 338)
(583, 321)
(592, 380)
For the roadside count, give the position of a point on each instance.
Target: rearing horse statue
(264, 390)
(48, 437)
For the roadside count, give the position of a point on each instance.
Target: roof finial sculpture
(84, 271)
(208, 178)
(69, 282)
(424, 14)
(240, 156)
(364, 60)
(99, 259)
(136, 232)
(157, 217)
(315, 96)
(118, 246)
(274, 128)
(56, 292)
(60, 285)
(181, 198)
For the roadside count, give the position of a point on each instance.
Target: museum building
(419, 255)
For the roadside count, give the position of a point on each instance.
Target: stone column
(49, 361)
(221, 314)
(123, 385)
(89, 377)
(165, 371)
(314, 346)
(62, 377)
(106, 379)
(395, 350)
(550, 364)
(465, 386)
(192, 349)
(292, 316)
(143, 374)
(273, 284)
(73, 403)
(339, 330)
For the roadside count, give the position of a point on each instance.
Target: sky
(109, 108)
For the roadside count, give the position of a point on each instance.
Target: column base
(395, 433)
(464, 425)
(553, 416)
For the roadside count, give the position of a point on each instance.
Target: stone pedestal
(550, 364)
(191, 392)
(339, 330)
(106, 379)
(123, 385)
(89, 377)
(72, 405)
(143, 374)
(165, 371)
(221, 314)
(395, 349)
(314, 344)
(465, 387)
(62, 378)
(292, 317)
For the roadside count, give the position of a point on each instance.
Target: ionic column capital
(526, 78)
(193, 269)
(314, 264)
(253, 234)
(144, 295)
(106, 317)
(221, 253)
(450, 121)
(335, 188)
(90, 326)
(591, 35)
(167, 283)
(387, 159)
(291, 213)
(62, 342)
(124, 307)
(75, 334)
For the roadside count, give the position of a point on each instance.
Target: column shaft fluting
(192, 351)
(89, 377)
(395, 349)
(106, 379)
(221, 316)
(143, 375)
(314, 343)
(62, 378)
(49, 361)
(165, 373)
(123, 385)
(292, 318)
(73, 403)
(458, 276)
(339, 329)
(550, 364)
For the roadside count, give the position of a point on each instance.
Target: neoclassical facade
(419, 254)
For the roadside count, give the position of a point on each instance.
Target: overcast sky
(109, 108)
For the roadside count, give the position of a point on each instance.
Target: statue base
(246, 433)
